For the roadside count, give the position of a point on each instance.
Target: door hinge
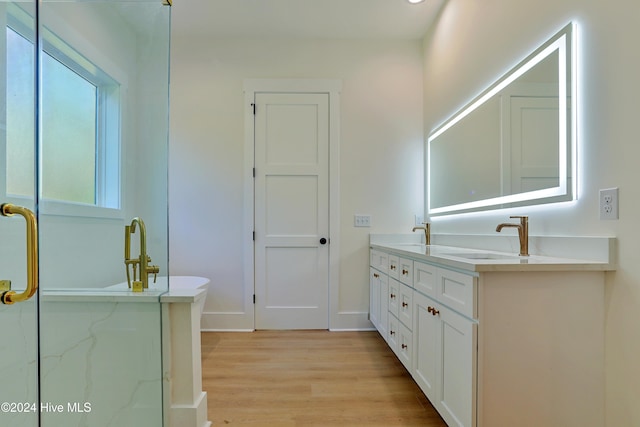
(254, 108)
(254, 172)
(254, 298)
(253, 236)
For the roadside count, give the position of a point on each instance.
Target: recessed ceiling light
(415, 1)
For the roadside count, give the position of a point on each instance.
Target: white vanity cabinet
(445, 340)
(499, 344)
(391, 302)
(445, 359)
(379, 292)
(434, 343)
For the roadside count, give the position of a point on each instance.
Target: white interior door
(534, 146)
(291, 211)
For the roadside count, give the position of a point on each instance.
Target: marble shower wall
(102, 361)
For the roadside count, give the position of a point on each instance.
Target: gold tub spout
(142, 262)
(523, 232)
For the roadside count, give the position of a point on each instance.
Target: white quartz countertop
(477, 260)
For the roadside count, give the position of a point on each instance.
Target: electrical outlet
(609, 204)
(362, 220)
(418, 219)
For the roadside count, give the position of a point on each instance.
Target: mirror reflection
(513, 144)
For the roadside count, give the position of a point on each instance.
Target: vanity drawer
(405, 271)
(425, 278)
(405, 306)
(393, 333)
(405, 346)
(379, 260)
(394, 296)
(458, 291)
(394, 266)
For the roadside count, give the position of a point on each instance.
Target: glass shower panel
(19, 345)
(103, 158)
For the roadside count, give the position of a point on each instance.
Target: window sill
(58, 208)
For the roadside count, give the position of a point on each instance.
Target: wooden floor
(309, 378)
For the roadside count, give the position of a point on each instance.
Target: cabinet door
(374, 297)
(425, 345)
(405, 306)
(457, 368)
(383, 319)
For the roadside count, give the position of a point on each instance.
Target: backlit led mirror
(514, 144)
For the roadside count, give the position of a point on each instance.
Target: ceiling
(335, 19)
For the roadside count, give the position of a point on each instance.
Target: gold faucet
(427, 232)
(523, 232)
(142, 261)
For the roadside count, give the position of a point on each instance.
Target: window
(20, 115)
(79, 123)
(68, 132)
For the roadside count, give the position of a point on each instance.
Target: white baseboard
(243, 322)
(226, 321)
(351, 321)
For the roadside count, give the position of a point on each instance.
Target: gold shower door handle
(10, 297)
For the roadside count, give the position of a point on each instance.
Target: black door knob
(323, 241)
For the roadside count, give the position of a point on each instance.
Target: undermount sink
(480, 255)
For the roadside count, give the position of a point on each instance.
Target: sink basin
(480, 255)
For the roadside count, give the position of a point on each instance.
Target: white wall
(381, 152)
(471, 45)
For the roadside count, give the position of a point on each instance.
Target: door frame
(333, 89)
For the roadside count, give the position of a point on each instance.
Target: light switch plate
(362, 220)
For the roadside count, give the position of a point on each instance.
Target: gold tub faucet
(523, 232)
(142, 262)
(427, 232)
